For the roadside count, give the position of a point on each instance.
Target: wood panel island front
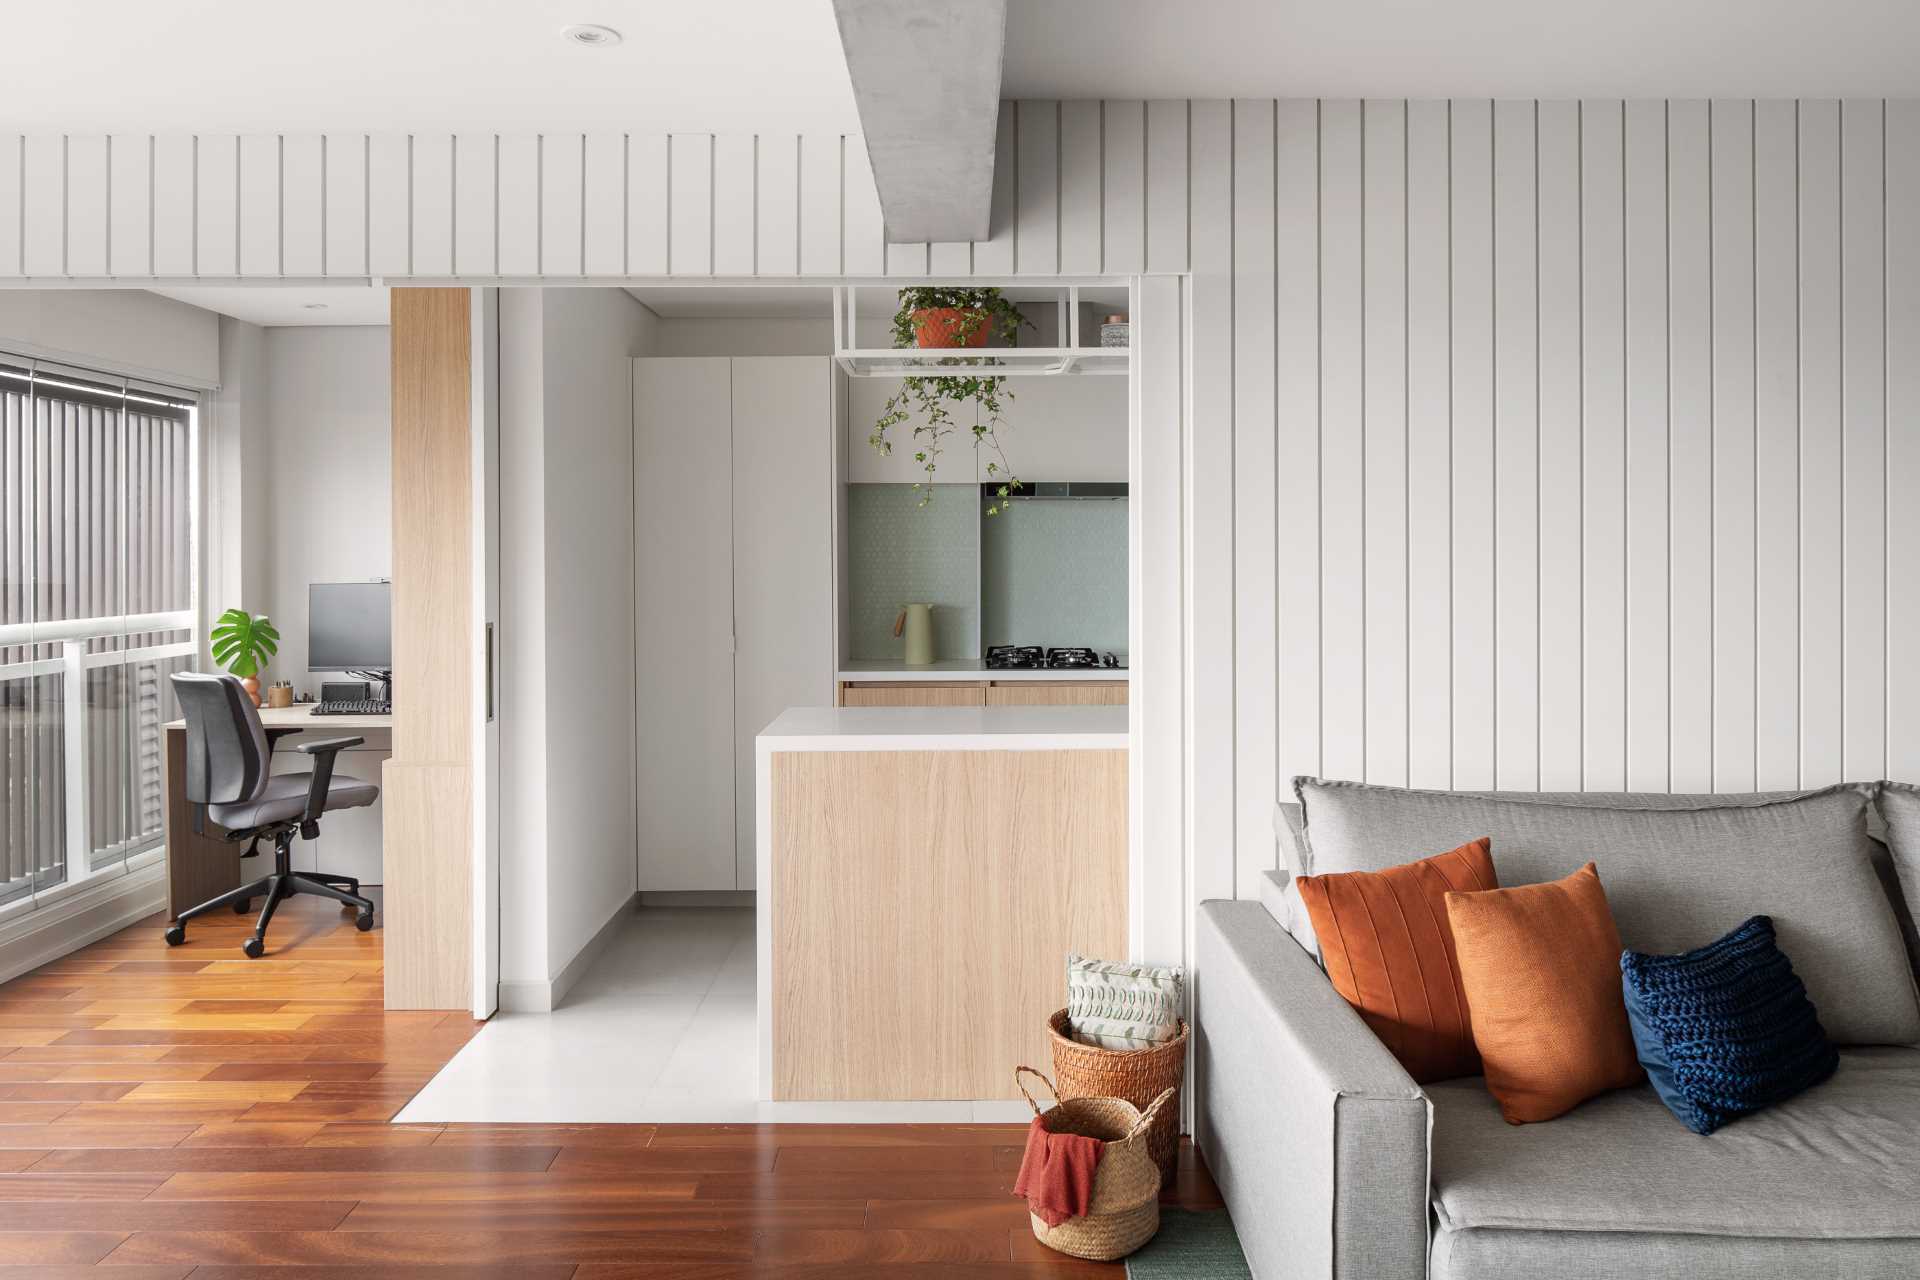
(922, 873)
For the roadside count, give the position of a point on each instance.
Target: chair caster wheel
(254, 948)
(176, 934)
(242, 905)
(365, 923)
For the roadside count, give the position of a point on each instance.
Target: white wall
(328, 465)
(234, 426)
(743, 336)
(567, 622)
(521, 645)
(125, 331)
(1563, 436)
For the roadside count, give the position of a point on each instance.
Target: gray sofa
(1335, 1163)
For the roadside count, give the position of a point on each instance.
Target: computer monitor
(350, 627)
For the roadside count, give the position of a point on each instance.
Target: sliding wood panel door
(429, 780)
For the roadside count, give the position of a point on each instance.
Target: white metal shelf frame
(910, 362)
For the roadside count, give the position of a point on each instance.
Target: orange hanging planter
(951, 327)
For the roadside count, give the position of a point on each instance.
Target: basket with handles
(1124, 1211)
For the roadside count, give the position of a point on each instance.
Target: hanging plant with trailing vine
(953, 319)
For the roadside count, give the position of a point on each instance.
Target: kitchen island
(922, 874)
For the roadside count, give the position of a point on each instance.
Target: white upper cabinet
(1070, 427)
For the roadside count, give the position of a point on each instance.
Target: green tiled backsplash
(1047, 572)
(1055, 573)
(899, 552)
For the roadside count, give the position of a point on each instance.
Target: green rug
(1191, 1246)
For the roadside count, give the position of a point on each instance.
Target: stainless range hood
(1060, 490)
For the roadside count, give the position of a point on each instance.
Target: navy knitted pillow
(1727, 1029)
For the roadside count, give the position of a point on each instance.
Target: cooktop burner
(1028, 657)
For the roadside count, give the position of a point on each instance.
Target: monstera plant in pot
(242, 644)
(938, 318)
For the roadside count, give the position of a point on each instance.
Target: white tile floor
(661, 1029)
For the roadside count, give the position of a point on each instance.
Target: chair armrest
(323, 752)
(1315, 1133)
(327, 746)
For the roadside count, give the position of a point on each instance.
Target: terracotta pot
(943, 327)
(252, 685)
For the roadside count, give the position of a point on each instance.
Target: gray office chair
(228, 780)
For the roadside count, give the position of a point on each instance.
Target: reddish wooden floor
(186, 1111)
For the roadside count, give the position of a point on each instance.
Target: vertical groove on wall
(1666, 163)
(1799, 475)
(1538, 737)
(1580, 257)
(1713, 466)
(1320, 441)
(1626, 474)
(1453, 510)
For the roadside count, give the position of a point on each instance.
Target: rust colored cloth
(1541, 968)
(1056, 1173)
(1386, 947)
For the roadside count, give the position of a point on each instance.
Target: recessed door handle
(489, 672)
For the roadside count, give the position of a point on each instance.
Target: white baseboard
(88, 914)
(534, 996)
(698, 898)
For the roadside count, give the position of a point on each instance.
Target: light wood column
(428, 781)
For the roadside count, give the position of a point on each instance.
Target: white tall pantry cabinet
(736, 483)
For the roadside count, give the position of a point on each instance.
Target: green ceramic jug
(916, 621)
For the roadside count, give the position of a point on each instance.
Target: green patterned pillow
(1122, 1006)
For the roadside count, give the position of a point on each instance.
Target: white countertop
(967, 669)
(946, 729)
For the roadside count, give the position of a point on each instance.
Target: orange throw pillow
(1541, 965)
(1387, 949)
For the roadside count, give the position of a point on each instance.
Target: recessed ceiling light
(591, 35)
(313, 306)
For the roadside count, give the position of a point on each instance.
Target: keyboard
(357, 707)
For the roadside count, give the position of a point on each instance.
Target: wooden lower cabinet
(1064, 693)
(984, 693)
(901, 693)
(923, 906)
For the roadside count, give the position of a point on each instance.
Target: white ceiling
(1467, 48)
(275, 306)
(158, 66)
(727, 65)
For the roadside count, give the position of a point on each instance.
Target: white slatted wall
(1546, 444)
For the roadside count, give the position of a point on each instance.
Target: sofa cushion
(1294, 859)
(1900, 808)
(1388, 951)
(1646, 1255)
(1840, 1161)
(1281, 897)
(1726, 1029)
(1540, 965)
(1676, 877)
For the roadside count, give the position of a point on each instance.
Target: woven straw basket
(1138, 1075)
(1125, 1209)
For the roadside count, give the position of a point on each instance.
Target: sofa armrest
(1315, 1133)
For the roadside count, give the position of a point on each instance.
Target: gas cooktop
(1016, 657)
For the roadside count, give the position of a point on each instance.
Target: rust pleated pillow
(1387, 948)
(1541, 966)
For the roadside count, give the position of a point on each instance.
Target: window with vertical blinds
(96, 610)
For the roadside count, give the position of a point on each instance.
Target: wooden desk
(202, 866)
